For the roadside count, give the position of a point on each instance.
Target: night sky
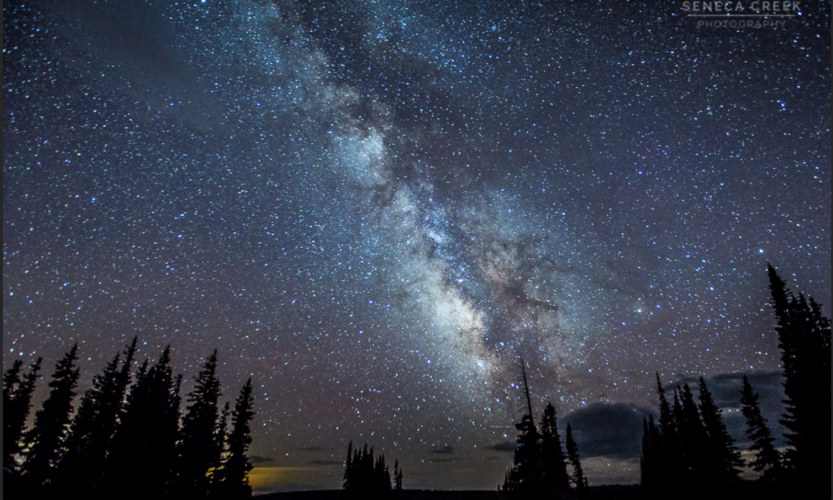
(374, 210)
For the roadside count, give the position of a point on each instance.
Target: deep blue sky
(374, 211)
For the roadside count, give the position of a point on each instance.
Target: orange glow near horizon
(269, 479)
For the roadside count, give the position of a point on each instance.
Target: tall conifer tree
(554, 467)
(651, 469)
(11, 380)
(12, 426)
(767, 459)
(647, 465)
(575, 460)
(723, 457)
(668, 450)
(144, 445)
(692, 437)
(348, 468)
(804, 338)
(397, 476)
(46, 438)
(17, 402)
(525, 477)
(237, 466)
(217, 471)
(367, 476)
(82, 469)
(196, 443)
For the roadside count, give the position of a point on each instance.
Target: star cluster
(375, 210)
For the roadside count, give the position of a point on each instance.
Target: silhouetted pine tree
(651, 468)
(360, 481)
(11, 380)
(724, 458)
(397, 476)
(235, 470)
(554, 467)
(668, 452)
(17, 402)
(364, 470)
(575, 459)
(46, 439)
(646, 460)
(767, 459)
(216, 471)
(133, 440)
(347, 482)
(677, 410)
(196, 443)
(661, 462)
(367, 477)
(82, 466)
(804, 338)
(12, 426)
(381, 478)
(525, 477)
(692, 437)
(367, 472)
(81, 471)
(144, 445)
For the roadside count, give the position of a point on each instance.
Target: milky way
(375, 211)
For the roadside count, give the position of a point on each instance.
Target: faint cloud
(506, 447)
(610, 430)
(325, 462)
(444, 450)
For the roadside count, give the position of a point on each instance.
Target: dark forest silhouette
(540, 469)
(368, 477)
(128, 437)
(690, 443)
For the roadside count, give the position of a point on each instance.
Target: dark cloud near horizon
(254, 459)
(615, 430)
(506, 447)
(611, 430)
(443, 451)
(725, 389)
(325, 462)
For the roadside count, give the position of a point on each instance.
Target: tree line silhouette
(367, 477)
(540, 465)
(126, 439)
(690, 441)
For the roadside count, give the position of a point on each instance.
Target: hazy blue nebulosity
(373, 209)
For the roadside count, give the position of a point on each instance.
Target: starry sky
(374, 209)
